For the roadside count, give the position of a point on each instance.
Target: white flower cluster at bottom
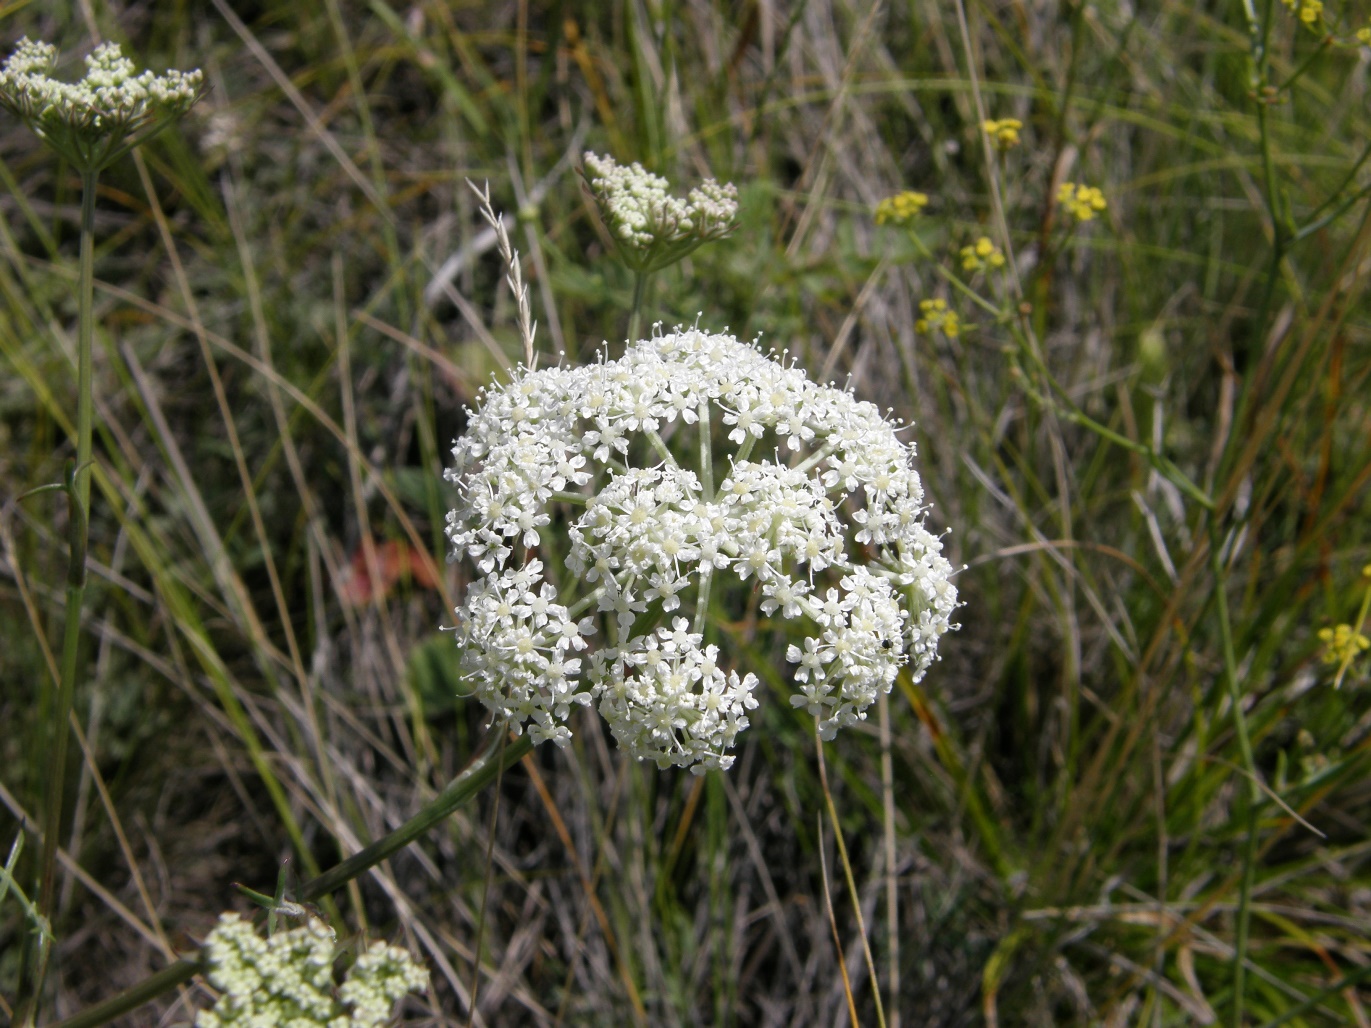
(287, 980)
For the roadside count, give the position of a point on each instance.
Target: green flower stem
(493, 761)
(579, 499)
(635, 317)
(952, 279)
(1351, 653)
(702, 599)
(821, 454)
(1259, 28)
(580, 606)
(706, 450)
(135, 996)
(1316, 219)
(1317, 226)
(78, 494)
(1306, 64)
(488, 765)
(659, 444)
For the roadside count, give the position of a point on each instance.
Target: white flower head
(287, 980)
(95, 121)
(652, 228)
(647, 464)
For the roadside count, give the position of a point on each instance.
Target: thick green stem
(85, 341)
(706, 450)
(491, 763)
(635, 317)
(78, 497)
(134, 997)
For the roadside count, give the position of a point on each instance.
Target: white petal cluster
(666, 698)
(382, 976)
(621, 455)
(653, 228)
(287, 980)
(97, 119)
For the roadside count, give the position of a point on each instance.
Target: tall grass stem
(1230, 665)
(851, 883)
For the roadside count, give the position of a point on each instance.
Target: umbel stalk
(78, 500)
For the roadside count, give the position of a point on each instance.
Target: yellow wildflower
(1342, 643)
(1004, 132)
(936, 317)
(1309, 11)
(900, 208)
(1081, 202)
(982, 254)
(1364, 36)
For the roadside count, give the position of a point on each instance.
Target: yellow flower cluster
(1364, 36)
(1309, 11)
(982, 254)
(1004, 132)
(1342, 643)
(936, 317)
(1081, 202)
(900, 208)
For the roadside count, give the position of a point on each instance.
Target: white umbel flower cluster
(825, 535)
(652, 228)
(94, 121)
(287, 980)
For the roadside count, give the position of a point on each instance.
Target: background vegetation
(296, 298)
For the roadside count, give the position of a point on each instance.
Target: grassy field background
(296, 297)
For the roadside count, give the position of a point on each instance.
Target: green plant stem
(78, 496)
(1254, 795)
(706, 450)
(498, 757)
(135, 996)
(1306, 64)
(635, 317)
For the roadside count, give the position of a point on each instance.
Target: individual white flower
(668, 508)
(652, 228)
(95, 121)
(287, 980)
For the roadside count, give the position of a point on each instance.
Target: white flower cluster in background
(287, 980)
(94, 121)
(826, 530)
(652, 228)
